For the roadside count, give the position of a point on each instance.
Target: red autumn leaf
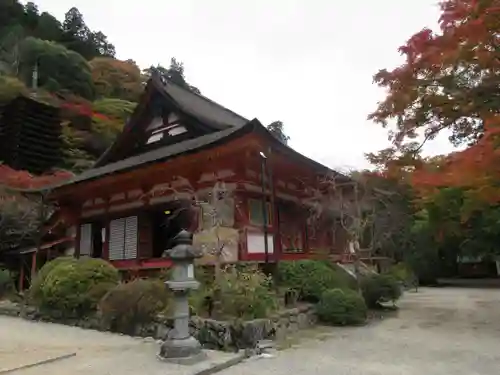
(24, 180)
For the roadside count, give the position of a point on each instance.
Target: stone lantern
(180, 346)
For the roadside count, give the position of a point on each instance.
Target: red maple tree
(476, 169)
(24, 180)
(450, 78)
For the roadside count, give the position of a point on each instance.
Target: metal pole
(264, 207)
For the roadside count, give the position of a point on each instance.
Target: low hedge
(379, 289)
(128, 305)
(71, 288)
(35, 290)
(243, 292)
(403, 273)
(311, 278)
(341, 307)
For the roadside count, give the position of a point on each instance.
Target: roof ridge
(164, 80)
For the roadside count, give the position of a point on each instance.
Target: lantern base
(182, 351)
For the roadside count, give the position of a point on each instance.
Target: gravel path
(97, 353)
(437, 332)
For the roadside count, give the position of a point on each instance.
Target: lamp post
(180, 347)
(263, 159)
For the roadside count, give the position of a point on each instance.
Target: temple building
(186, 162)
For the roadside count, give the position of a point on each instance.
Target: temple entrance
(97, 239)
(166, 223)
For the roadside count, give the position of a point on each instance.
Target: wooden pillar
(78, 228)
(21, 273)
(274, 208)
(33, 265)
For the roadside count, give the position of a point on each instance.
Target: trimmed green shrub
(35, 291)
(341, 307)
(244, 293)
(403, 274)
(72, 289)
(379, 289)
(6, 282)
(129, 305)
(345, 276)
(311, 278)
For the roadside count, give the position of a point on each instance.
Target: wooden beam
(152, 173)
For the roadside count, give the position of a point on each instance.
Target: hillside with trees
(68, 65)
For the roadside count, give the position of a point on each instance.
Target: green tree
(74, 25)
(56, 65)
(48, 28)
(277, 128)
(9, 50)
(101, 44)
(11, 14)
(31, 16)
(116, 79)
(114, 108)
(174, 73)
(78, 37)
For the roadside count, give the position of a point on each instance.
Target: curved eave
(190, 147)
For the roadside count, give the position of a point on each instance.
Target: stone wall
(229, 335)
(212, 334)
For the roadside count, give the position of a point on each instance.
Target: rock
(9, 308)
(303, 321)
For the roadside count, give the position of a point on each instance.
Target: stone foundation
(231, 335)
(212, 334)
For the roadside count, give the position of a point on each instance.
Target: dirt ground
(439, 331)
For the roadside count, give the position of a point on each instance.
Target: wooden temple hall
(185, 162)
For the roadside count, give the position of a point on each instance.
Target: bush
(128, 305)
(244, 293)
(379, 289)
(35, 291)
(6, 282)
(311, 278)
(402, 273)
(346, 278)
(72, 288)
(341, 307)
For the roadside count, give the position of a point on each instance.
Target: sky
(308, 63)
